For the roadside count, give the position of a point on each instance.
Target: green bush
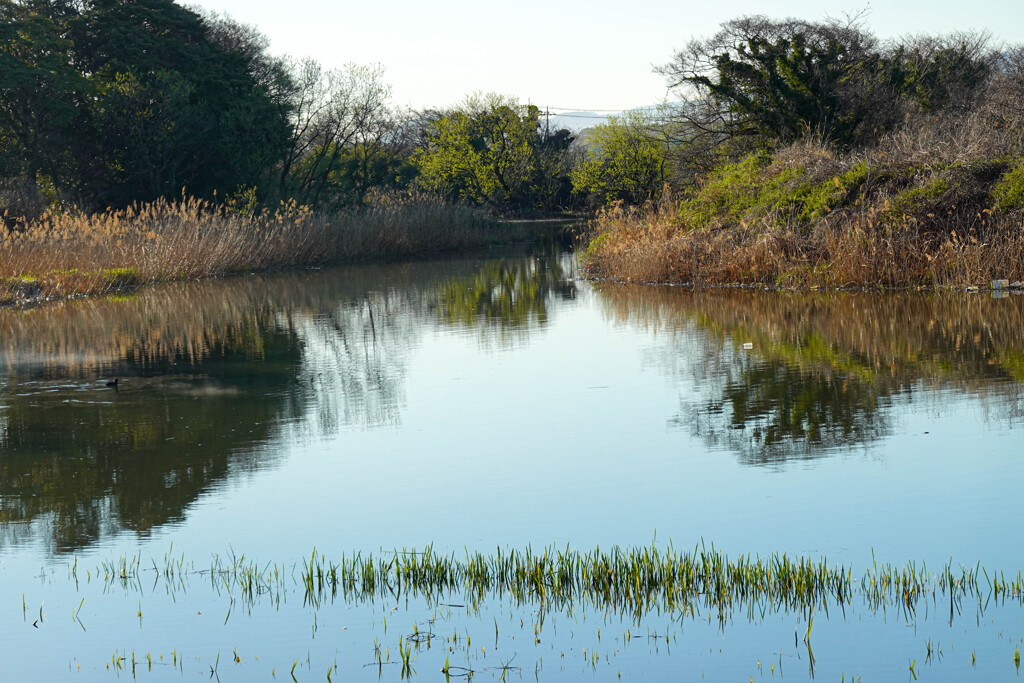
(754, 189)
(1008, 192)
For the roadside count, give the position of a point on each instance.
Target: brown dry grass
(64, 254)
(649, 245)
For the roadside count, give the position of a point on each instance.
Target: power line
(586, 109)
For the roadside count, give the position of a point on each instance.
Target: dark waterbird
(114, 383)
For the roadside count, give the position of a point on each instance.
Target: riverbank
(65, 254)
(806, 217)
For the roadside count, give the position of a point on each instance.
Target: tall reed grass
(852, 250)
(64, 254)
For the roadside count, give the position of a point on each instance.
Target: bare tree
(331, 112)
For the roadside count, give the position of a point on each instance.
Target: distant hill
(577, 120)
(582, 123)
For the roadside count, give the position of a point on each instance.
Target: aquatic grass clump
(643, 580)
(633, 582)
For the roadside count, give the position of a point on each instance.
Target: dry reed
(66, 254)
(855, 248)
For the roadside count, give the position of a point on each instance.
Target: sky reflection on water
(490, 402)
(503, 402)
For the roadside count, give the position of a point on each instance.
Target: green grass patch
(1008, 191)
(824, 198)
(753, 189)
(121, 278)
(727, 194)
(916, 200)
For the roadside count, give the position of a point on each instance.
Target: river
(491, 401)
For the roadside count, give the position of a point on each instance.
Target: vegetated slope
(935, 199)
(804, 218)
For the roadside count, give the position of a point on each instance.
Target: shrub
(1008, 192)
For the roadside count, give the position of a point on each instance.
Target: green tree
(147, 128)
(113, 101)
(179, 93)
(376, 163)
(624, 161)
(490, 151)
(773, 81)
(41, 94)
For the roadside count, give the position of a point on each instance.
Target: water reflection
(211, 372)
(772, 412)
(505, 296)
(79, 460)
(220, 379)
(778, 376)
(356, 344)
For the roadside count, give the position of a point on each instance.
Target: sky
(567, 55)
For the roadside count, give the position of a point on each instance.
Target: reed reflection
(79, 459)
(215, 377)
(788, 375)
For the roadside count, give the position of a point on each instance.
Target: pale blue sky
(584, 55)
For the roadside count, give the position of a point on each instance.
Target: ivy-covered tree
(771, 81)
(774, 79)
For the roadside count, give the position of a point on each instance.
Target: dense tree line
(759, 84)
(108, 102)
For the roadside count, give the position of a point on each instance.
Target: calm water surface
(495, 402)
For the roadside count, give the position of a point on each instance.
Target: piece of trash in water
(748, 345)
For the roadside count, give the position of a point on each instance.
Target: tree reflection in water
(782, 375)
(213, 372)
